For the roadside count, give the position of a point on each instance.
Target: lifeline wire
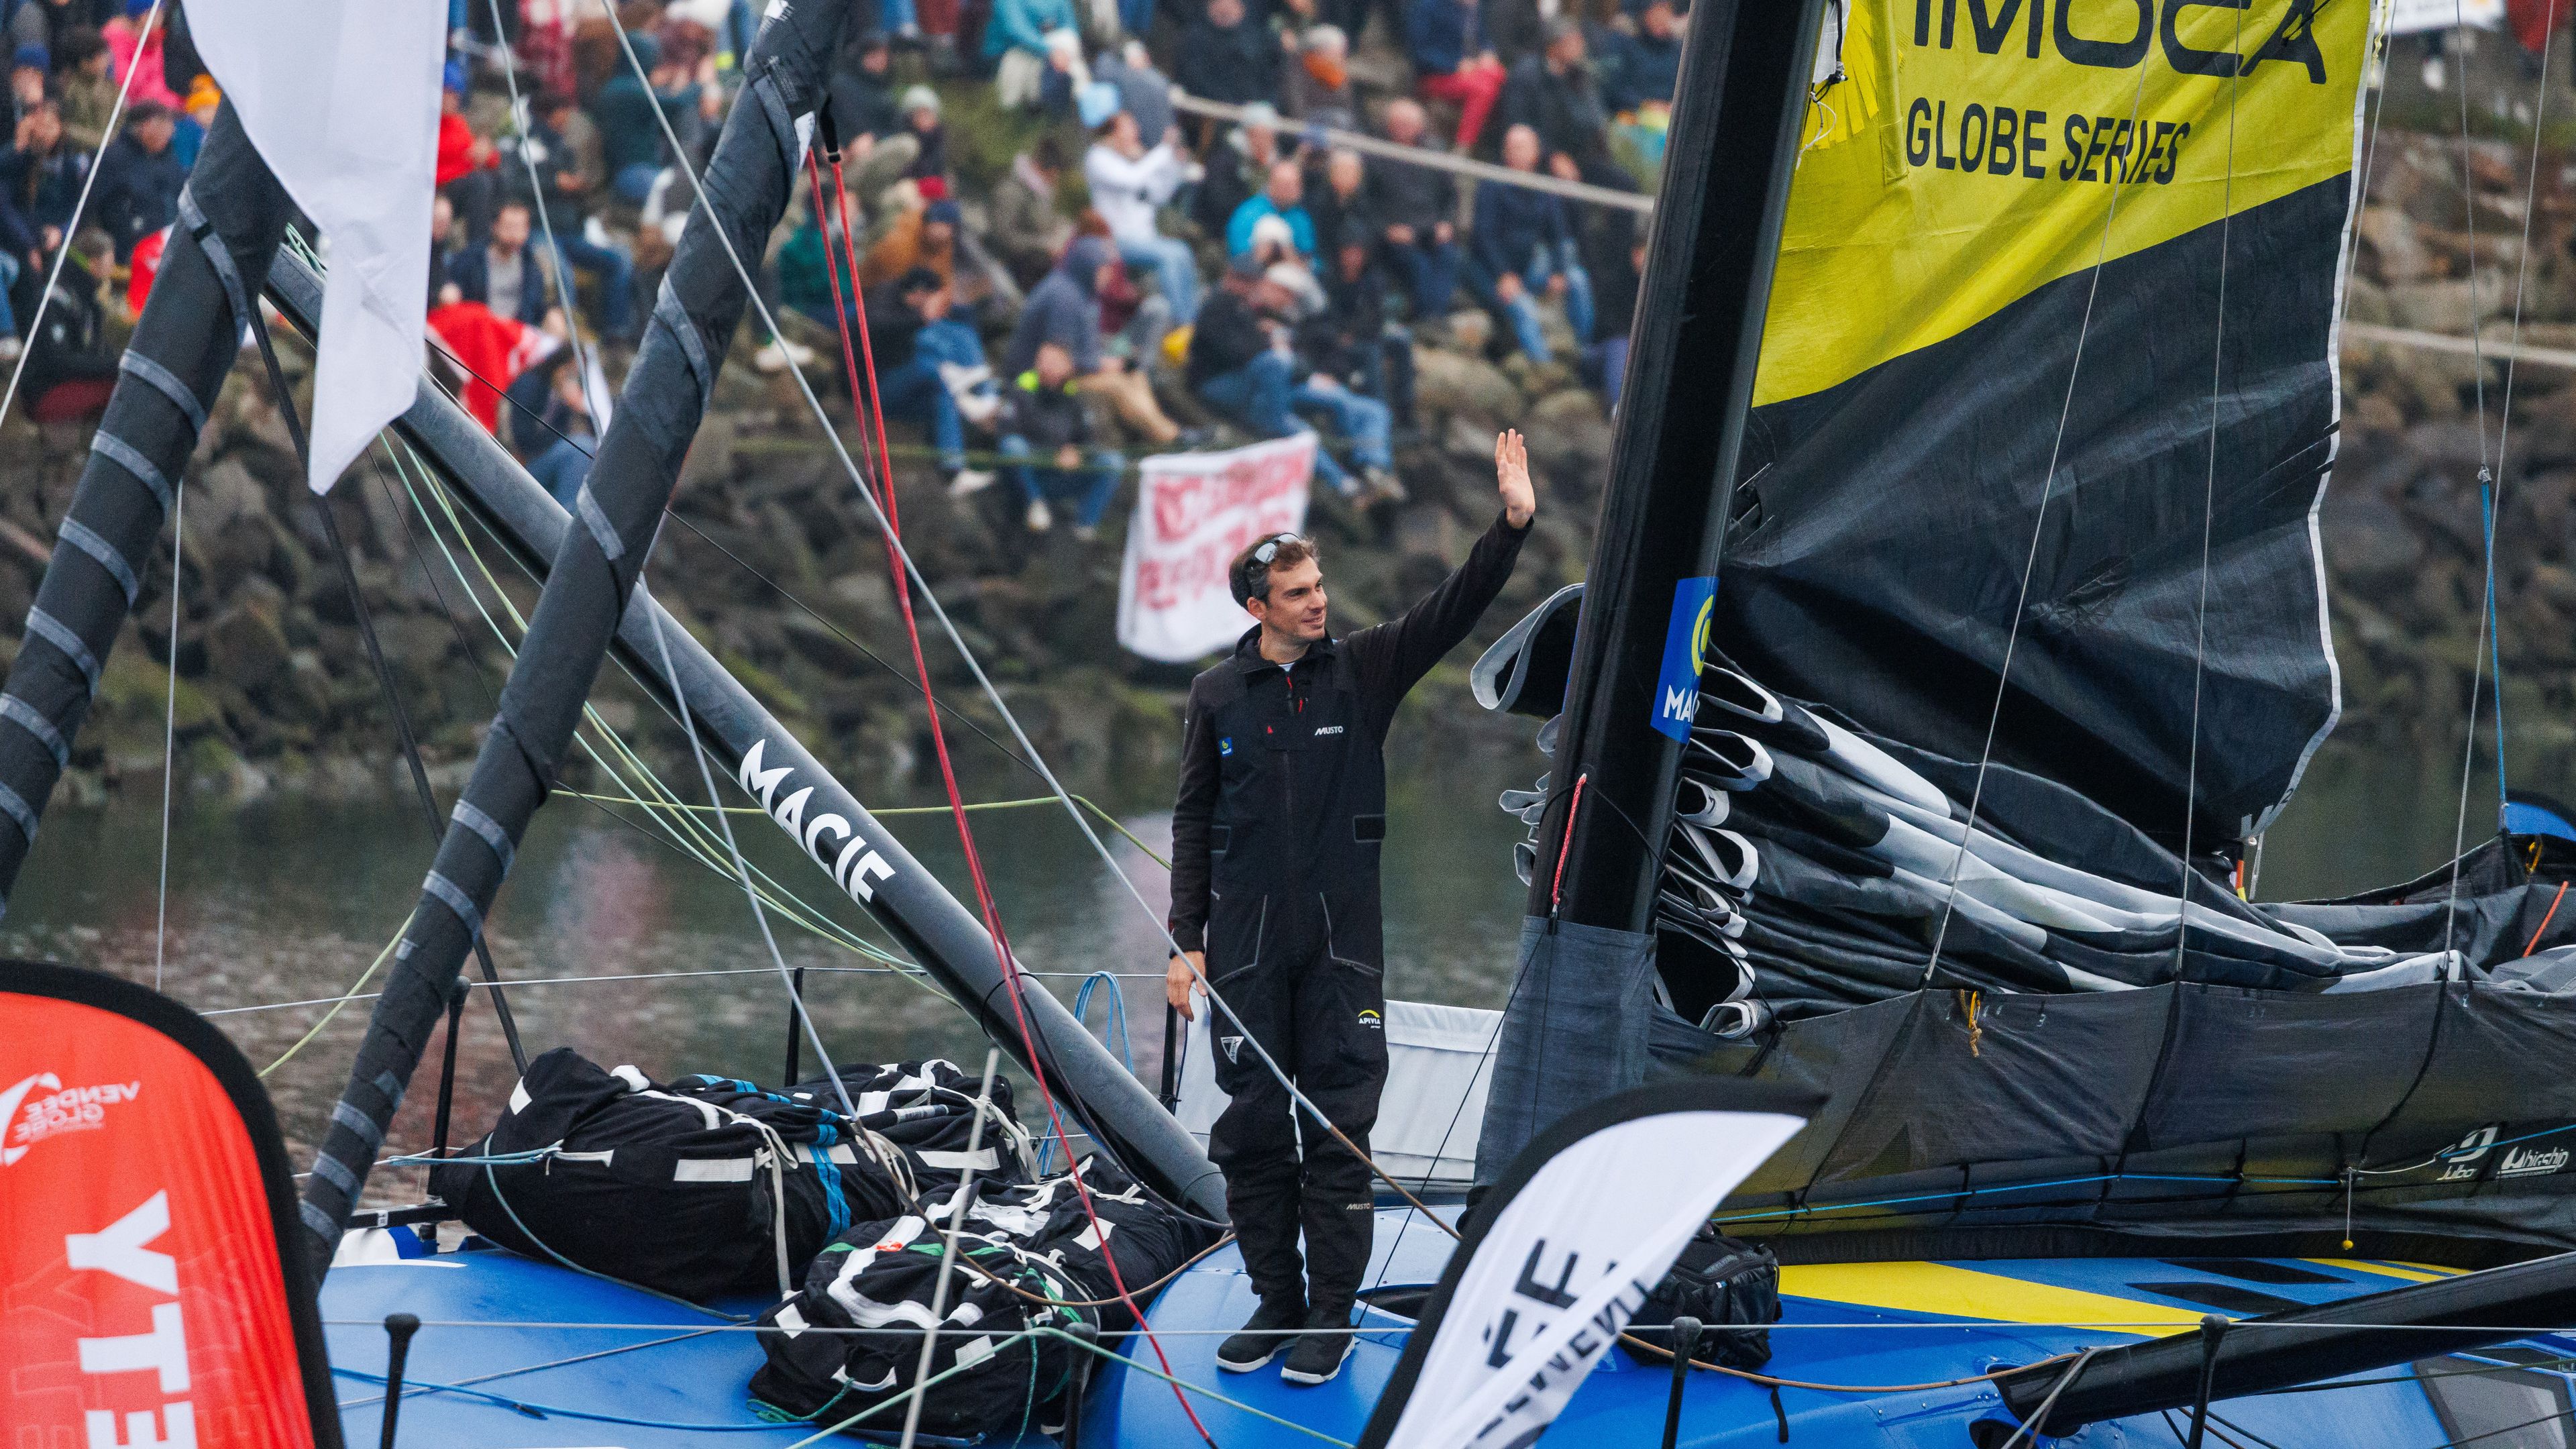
(2030, 565)
(80, 204)
(894, 545)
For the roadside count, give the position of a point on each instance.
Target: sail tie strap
(165, 382)
(455, 899)
(595, 522)
(218, 256)
(675, 320)
(31, 719)
(130, 458)
(472, 818)
(782, 123)
(14, 806)
(59, 634)
(86, 539)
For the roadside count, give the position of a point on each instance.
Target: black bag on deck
(1052, 1270)
(698, 1188)
(1724, 1283)
(927, 1108)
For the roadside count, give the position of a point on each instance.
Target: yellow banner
(1970, 151)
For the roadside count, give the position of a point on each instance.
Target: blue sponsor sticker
(1685, 650)
(1225, 744)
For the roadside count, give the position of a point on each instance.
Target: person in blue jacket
(1523, 243)
(1015, 43)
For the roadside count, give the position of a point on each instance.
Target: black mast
(933, 926)
(1728, 160)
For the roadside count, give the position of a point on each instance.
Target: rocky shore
(776, 567)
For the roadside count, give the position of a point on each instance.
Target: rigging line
(2504, 422)
(564, 283)
(2383, 15)
(2030, 564)
(1946, 1325)
(759, 913)
(515, 982)
(983, 681)
(294, 421)
(959, 1205)
(170, 717)
(2208, 514)
(316, 1029)
(80, 204)
(2022, 1430)
(1002, 955)
(346, 1405)
(785, 899)
(2477, 352)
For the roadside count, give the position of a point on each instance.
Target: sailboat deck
(516, 1354)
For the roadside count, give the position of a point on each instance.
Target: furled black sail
(2043, 303)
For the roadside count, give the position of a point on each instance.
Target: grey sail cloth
(183, 345)
(618, 514)
(1574, 1031)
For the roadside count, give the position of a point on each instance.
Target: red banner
(145, 1294)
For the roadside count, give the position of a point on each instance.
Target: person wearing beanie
(921, 121)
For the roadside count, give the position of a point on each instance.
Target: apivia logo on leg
(1685, 650)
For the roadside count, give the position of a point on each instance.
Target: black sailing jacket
(1283, 787)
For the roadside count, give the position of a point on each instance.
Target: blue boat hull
(516, 1354)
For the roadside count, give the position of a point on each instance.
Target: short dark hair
(916, 280)
(144, 113)
(1249, 578)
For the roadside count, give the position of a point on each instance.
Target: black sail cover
(2069, 271)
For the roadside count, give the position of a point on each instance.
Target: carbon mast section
(231, 218)
(821, 814)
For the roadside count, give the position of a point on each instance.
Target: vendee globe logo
(40, 1106)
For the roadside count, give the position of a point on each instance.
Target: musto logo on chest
(854, 864)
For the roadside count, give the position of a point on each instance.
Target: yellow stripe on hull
(1967, 1293)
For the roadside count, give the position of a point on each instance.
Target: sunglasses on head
(1256, 572)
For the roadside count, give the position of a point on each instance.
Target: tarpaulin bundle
(617, 515)
(927, 1110)
(1028, 1257)
(696, 1188)
(231, 217)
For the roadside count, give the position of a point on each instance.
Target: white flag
(1584, 1225)
(1194, 513)
(342, 102)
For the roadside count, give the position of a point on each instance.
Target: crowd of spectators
(1117, 275)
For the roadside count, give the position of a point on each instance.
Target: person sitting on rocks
(136, 192)
(908, 382)
(1237, 367)
(1228, 57)
(1046, 419)
(1282, 197)
(1522, 243)
(1415, 209)
(1237, 170)
(503, 274)
(1351, 340)
(1015, 44)
(1065, 309)
(1129, 185)
(1318, 88)
(1453, 61)
(1028, 232)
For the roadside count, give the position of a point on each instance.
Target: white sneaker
(972, 387)
(967, 481)
(1040, 517)
(10, 347)
(769, 359)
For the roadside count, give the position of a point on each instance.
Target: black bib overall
(1275, 838)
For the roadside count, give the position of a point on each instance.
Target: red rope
(1002, 955)
(1556, 883)
(2546, 918)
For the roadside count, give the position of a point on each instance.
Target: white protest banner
(1194, 513)
(1566, 1249)
(2411, 17)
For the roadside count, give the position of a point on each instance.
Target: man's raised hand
(1512, 477)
